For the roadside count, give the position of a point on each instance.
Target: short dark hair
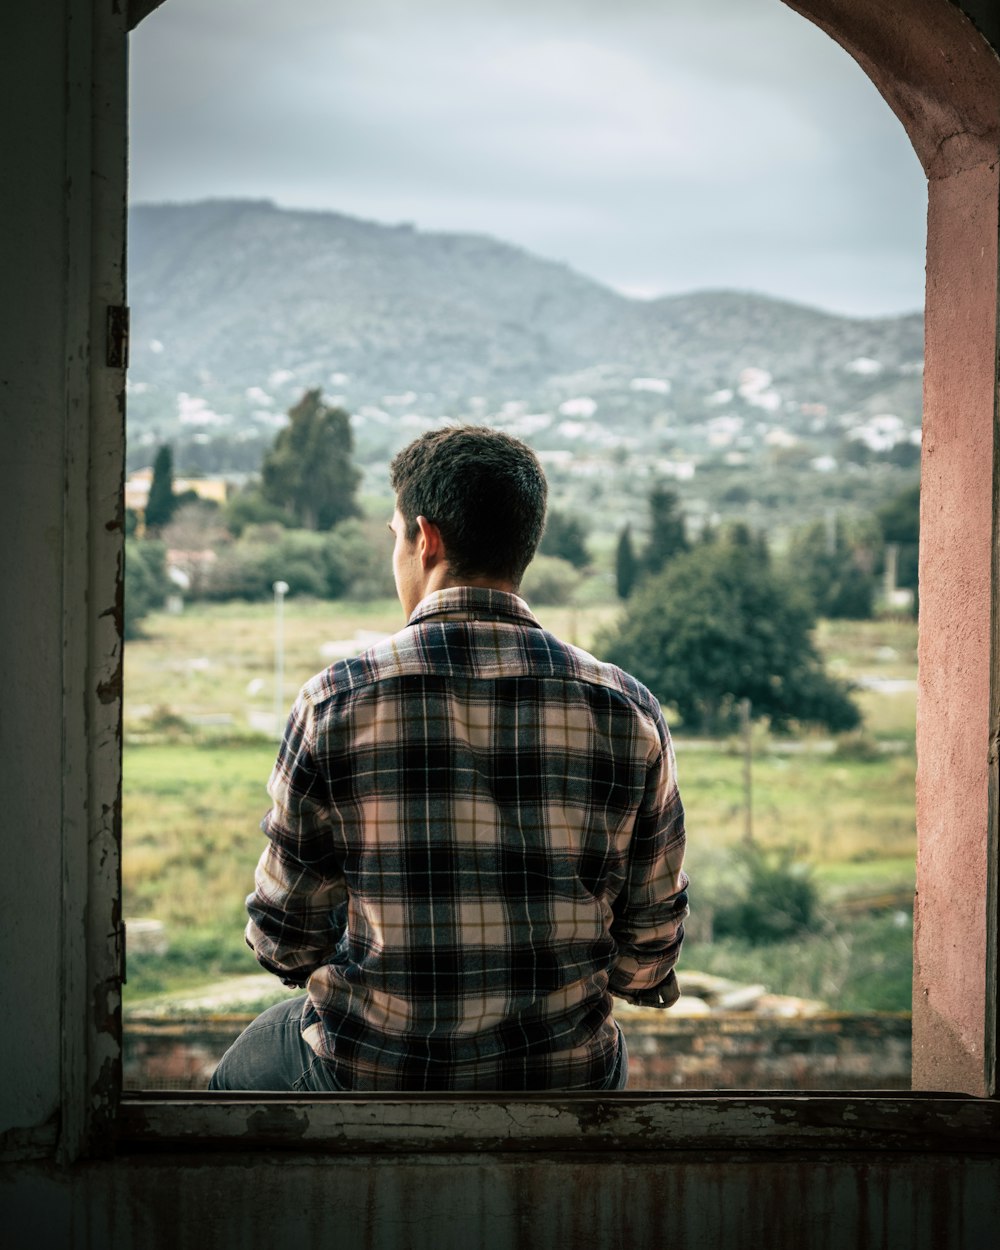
(484, 490)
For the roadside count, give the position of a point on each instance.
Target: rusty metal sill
(498, 1123)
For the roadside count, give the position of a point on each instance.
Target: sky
(660, 146)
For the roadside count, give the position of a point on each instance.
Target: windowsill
(501, 1124)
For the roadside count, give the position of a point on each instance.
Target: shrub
(865, 964)
(776, 898)
(859, 747)
(146, 582)
(359, 561)
(248, 568)
(549, 581)
(249, 507)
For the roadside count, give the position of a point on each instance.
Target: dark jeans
(270, 1054)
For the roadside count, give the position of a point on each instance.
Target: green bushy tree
(308, 471)
(719, 624)
(835, 568)
(667, 534)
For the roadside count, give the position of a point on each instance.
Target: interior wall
(491, 1202)
(33, 403)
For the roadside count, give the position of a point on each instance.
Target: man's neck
(443, 579)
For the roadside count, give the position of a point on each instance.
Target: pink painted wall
(950, 938)
(942, 80)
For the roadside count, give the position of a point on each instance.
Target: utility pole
(280, 590)
(746, 731)
(891, 573)
(831, 532)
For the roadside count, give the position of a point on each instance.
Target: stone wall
(740, 1050)
(736, 1050)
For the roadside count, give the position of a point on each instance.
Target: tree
(565, 538)
(753, 544)
(667, 536)
(707, 534)
(899, 519)
(249, 507)
(161, 502)
(308, 470)
(626, 564)
(146, 582)
(719, 624)
(835, 568)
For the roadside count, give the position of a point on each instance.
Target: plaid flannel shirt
(475, 840)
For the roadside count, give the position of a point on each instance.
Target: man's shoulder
(483, 650)
(390, 656)
(588, 669)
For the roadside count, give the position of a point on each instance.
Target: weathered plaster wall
(33, 262)
(637, 1202)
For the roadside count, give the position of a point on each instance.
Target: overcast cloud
(658, 146)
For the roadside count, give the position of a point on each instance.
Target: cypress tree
(626, 564)
(667, 536)
(161, 502)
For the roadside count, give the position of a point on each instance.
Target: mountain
(238, 306)
(233, 291)
(241, 289)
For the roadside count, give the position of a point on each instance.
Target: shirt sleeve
(650, 910)
(297, 909)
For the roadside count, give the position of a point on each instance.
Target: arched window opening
(722, 422)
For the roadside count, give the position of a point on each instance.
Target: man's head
(480, 494)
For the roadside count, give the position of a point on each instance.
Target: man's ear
(429, 543)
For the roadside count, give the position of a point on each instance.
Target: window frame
(628, 1121)
(97, 1117)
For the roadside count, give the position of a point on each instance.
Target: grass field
(195, 771)
(217, 660)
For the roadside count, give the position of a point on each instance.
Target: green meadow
(199, 716)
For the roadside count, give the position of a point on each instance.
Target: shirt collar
(473, 603)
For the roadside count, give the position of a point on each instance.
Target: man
(476, 836)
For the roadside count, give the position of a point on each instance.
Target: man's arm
(650, 910)
(296, 910)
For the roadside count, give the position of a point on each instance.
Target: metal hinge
(117, 337)
(120, 950)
